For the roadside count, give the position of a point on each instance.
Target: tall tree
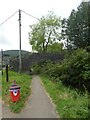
(45, 32)
(78, 26)
(55, 48)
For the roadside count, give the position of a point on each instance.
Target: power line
(15, 13)
(8, 18)
(30, 15)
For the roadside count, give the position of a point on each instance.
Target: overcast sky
(9, 31)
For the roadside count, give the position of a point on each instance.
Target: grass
(0, 87)
(24, 82)
(69, 103)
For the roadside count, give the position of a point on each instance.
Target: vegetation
(24, 82)
(69, 103)
(0, 86)
(68, 83)
(73, 71)
(76, 28)
(55, 48)
(51, 29)
(45, 33)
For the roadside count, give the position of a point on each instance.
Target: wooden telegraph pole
(20, 62)
(2, 61)
(7, 73)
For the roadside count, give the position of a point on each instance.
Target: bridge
(29, 60)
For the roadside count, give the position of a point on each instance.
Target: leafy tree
(78, 27)
(55, 47)
(64, 33)
(45, 33)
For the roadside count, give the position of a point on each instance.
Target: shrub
(74, 70)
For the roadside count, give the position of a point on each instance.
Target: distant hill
(13, 53)
(10, 54)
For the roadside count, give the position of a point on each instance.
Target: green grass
(24, 82)
(0, 87)
(69, 103)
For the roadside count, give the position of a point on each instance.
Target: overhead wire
(8, 18)
(30, 15)
(15, 13)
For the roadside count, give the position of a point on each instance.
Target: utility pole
(20, 61)
(2, 61)
(7, 73)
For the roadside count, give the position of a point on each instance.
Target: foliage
(55, 48)
(76, 69)
(77, 27)
(24, 82)
(69, 103)
(73, 71)
(45, 33)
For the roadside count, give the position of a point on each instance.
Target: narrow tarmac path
(37, 106)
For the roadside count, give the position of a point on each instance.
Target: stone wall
(29, 60)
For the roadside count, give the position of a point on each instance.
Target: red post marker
(14, 92)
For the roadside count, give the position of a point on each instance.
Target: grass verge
(69, 103)
(24, 82)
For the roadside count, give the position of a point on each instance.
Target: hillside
(10, 54)
(13, 53)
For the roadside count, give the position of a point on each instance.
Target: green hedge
(73, 71)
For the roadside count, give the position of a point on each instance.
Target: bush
(73, 71)
(76, 69)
